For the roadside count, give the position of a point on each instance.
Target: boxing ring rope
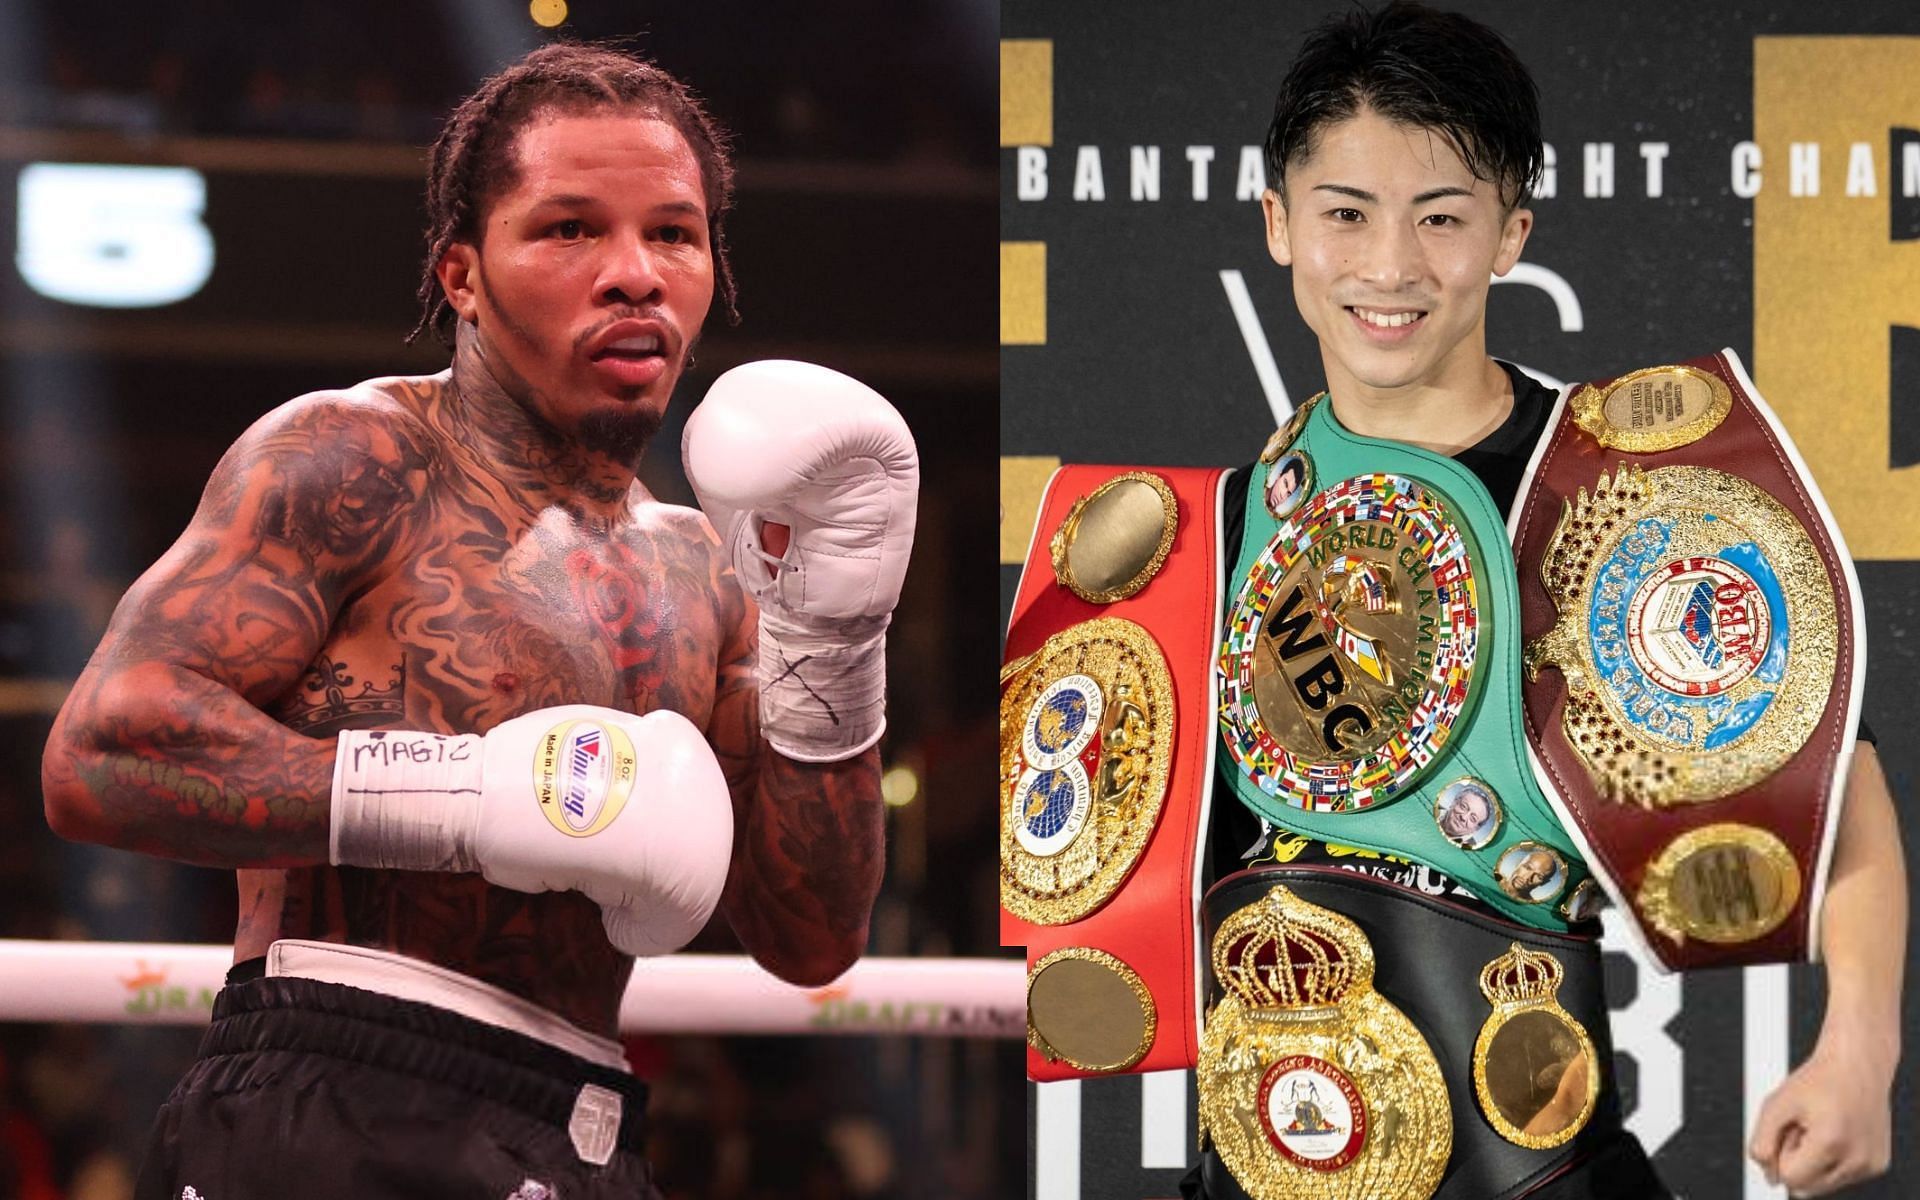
(159, 983)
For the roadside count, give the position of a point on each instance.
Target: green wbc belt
(1369, 677)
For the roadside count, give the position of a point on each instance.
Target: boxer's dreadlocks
(472, 160)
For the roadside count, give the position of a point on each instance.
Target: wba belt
(1106, 754)
(1367, 1041)
(1369, 678)
(1694, 656)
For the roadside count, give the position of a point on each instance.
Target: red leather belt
(1106, 761)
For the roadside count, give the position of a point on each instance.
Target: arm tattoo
(809, 838)
(163, 746)
(810, 865)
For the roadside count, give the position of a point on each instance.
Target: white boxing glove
(631, 811)
(799, 445)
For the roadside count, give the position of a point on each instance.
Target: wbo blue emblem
(1691, 640)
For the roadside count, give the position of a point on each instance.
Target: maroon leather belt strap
(1694, 656)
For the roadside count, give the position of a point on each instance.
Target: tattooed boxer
(473, 716)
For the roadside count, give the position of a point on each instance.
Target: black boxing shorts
(311, 1089)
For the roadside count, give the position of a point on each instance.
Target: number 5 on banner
(113, 236)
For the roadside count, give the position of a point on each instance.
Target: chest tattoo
(614, 595)
(331, 698)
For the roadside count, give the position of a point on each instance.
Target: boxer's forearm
(1863, 936)
(808, 856)
(161, 760)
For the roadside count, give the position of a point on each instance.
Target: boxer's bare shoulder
(296, 515)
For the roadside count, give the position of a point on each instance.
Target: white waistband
(406, 978)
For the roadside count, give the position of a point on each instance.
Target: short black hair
(473, 161)
(1414, 66)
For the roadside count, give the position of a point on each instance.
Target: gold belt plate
(1655, 409)
(1086, 744)
(1697, 632)
(1089, 1009)
(1535, 1070)
(1115, 539)
(1724, 883)
(1313, 1086)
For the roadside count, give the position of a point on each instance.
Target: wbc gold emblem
(1349, 649)
(1086, 742)
(1313, 1086)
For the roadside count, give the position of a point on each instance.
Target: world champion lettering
(1373, 537)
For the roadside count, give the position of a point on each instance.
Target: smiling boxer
(1401, 155)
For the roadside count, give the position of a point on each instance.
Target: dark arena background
(209, 208)
(1744, 176)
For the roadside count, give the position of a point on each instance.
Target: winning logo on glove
(583, 772)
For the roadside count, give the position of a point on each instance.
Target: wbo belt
(1105, 758)
(1369, 677)
(1366, 1040)
(1694, 655)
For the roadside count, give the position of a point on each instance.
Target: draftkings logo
(837, 1010)
(150, 995)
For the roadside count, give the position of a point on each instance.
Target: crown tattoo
(328, 701)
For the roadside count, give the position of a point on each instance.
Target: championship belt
(1105, 757)
(1366, 1041)
(1694, 654)
(1369, 678)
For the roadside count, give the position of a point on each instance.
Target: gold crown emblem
(1282, 952)
(1520, 976)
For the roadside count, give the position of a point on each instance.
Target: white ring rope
(157, 983)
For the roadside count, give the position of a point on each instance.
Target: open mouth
(631, 349)
(636, 360)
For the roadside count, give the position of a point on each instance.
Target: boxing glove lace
(799, 445)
